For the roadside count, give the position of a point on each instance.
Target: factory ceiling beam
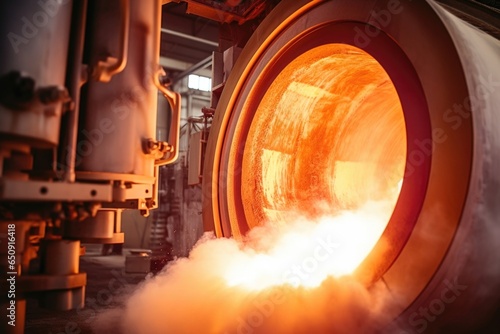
(189, 37)
(182, 66)
(198, 66)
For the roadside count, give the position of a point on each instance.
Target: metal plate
(15, 190)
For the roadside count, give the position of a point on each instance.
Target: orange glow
(326, 143)
(305, 252)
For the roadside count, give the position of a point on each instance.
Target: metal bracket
(18, 190)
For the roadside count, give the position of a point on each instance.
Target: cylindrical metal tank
(120, 115)
(34, 50)
(308, 115)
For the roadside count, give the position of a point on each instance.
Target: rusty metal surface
(228, 11)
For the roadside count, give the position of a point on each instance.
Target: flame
(328, 142)
(254, 285)
(305, 253)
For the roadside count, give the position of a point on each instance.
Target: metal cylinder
(60, 257)
(120, 115)
(63, 300)
(34, 51)
(443, 230)
(104, 227)
(100, 227)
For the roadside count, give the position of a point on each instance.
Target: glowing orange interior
(328, 135)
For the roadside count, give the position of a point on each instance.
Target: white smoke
(278, 280)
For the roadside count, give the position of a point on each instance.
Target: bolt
(24, 87)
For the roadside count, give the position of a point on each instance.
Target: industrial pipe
(333, 103)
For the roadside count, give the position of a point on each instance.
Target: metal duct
(444, 231)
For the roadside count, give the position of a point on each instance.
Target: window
(199, 82)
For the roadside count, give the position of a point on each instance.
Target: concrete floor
(107, 287)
